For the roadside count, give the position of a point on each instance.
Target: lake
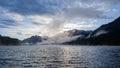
(59, 56)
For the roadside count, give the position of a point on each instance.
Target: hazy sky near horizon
(25, 18)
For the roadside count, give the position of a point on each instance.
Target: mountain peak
(33, 39)
(35, 36)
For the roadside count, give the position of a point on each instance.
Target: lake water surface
(59, 56)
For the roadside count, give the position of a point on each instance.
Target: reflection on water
(59, 56)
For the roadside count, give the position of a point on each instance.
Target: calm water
(59, 56)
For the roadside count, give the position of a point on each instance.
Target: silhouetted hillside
(8, 41)
(108, 34)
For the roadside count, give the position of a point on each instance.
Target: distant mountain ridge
(57, 39)
(66, 36)
(107, 34)
(33, 39)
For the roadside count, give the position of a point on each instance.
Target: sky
(24, 18)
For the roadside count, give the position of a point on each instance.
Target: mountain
(112, 27)
(33, 39)
(107, 34)
(76, 32)
(66, 36)
(4, 40)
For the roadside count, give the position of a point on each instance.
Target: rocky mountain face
(32, 40)
(4, 40)
(108, 34)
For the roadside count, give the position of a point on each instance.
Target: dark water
(59, 56)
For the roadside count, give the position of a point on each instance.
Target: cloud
(37, 23)
(41, 7)
(18, 33)
(51, 7)
(46, 17)
(85, 13)
(2, 26)
(23, 34)
(7, 22)
(115, 2)
(25, 7)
